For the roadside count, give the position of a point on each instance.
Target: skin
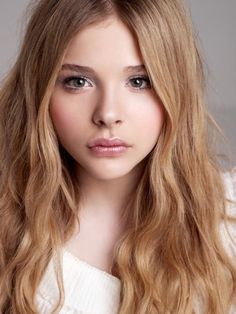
(105, 104)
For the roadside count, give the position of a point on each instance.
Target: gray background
(215, 25)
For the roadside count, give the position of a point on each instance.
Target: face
(103, 91)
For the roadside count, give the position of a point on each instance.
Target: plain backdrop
(215, 25)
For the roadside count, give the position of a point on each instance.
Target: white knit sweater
(89, 290)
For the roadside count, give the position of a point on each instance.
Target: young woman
(111, 197)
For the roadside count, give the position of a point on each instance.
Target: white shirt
(89, 290)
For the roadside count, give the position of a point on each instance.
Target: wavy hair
(172, 253)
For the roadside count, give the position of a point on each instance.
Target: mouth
(103, 142)
(108, 151)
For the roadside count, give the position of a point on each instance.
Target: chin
(111, 175)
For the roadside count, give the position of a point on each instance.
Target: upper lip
(106, 142)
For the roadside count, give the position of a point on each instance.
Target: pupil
(137, 81)
(79, 81)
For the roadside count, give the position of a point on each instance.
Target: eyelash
(70, 79)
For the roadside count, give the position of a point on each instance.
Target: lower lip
(108, 151)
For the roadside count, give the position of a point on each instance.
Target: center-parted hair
(171, 259)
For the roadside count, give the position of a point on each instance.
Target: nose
(107, 111)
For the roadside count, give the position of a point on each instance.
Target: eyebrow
(88, 70)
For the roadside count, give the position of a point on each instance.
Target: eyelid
(71, 77)
(142, 76)
(64, 78)
(96, 80)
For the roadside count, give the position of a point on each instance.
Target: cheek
(64, 119)
(150, 119)
(67, 112)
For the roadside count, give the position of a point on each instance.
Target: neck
(106, 198)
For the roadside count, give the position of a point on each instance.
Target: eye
(140, 82)
(75, 82)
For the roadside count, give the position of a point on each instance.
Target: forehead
(109, 41)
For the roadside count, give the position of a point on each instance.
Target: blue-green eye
(140, 82)
(75, 82)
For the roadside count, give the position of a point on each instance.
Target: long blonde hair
(172, 251)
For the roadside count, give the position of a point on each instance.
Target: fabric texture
(89, 290)
(229, 179)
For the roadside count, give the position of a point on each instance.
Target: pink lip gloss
(105, 151)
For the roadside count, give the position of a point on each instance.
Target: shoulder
(229, 180)
(229, 239)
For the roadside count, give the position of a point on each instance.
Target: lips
(107, 142)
